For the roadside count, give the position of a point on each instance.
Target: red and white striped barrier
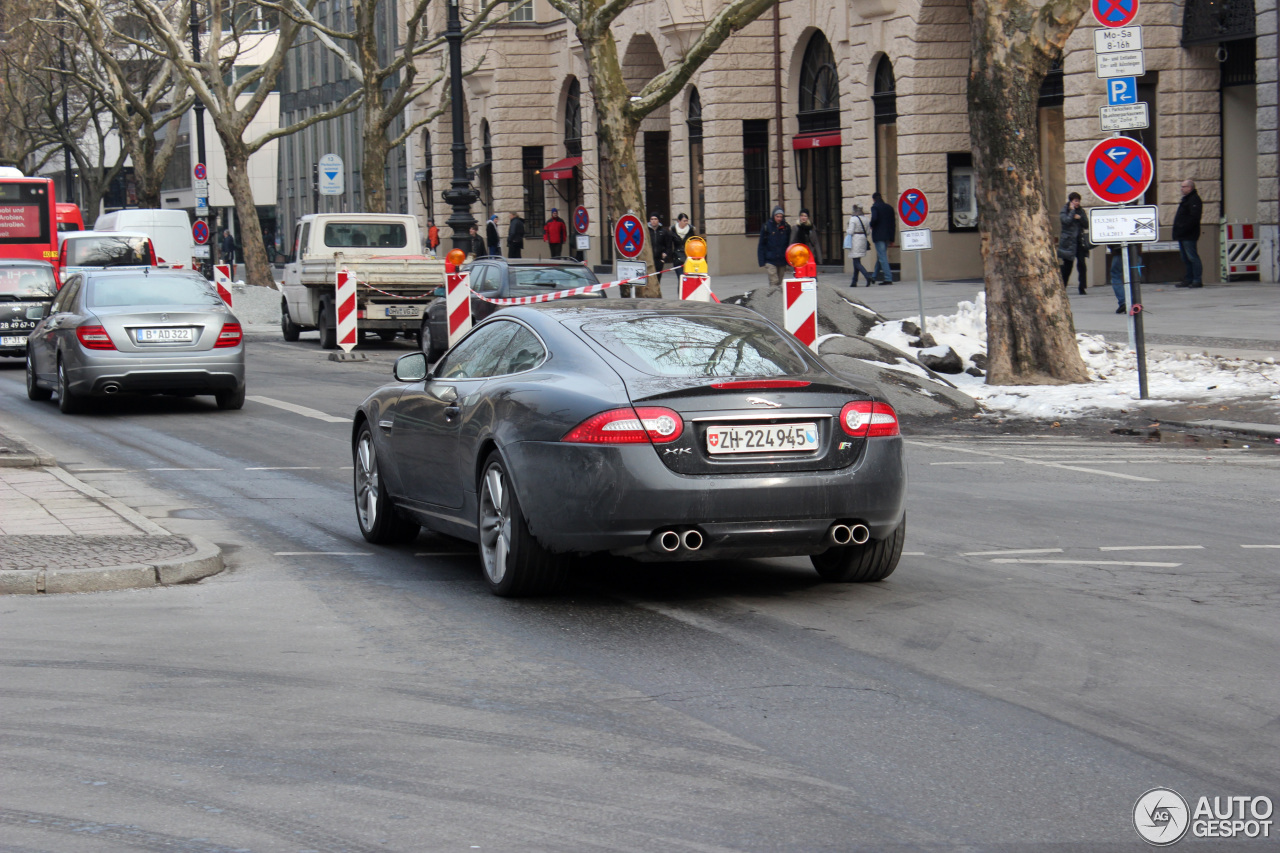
(346, 302)
(457, 304)
(222, 281)
(800, 316)
(696, 288)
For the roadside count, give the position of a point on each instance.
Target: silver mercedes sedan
(150, 331)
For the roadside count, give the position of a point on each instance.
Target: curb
(1260, 432)
(19, 453)
(189, 568)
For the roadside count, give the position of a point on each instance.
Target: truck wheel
(387, 335)
(328, 333)
(288, 328)
(871, 561)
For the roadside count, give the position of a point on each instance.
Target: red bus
(28, 228)
(68, 215)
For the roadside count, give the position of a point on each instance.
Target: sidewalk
(58, 534)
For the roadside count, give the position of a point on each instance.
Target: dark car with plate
(653, 430)
(27, 289)
(145, 331)
(505, 278)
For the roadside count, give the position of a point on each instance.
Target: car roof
(582, 311)
(134, 272)
(24, 262)
(76, 235)
(530, 262)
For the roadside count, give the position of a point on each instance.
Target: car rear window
(531, 281)
(668, 345)
(362, 235)
(109, 252)
(22, 281)
(149, 290)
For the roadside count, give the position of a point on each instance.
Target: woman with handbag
(1074, 245)
(857, 243)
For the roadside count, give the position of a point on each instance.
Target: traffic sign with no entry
(913, 207)
(628, 235)
(199, 172)
(1118, 170)
(1114, 13)
(200, 232)
(581, 220)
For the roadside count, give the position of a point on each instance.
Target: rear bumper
(201, 373)
(580, 498)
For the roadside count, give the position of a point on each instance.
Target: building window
(1147, 86)
(819, 87)
(755, 177)
(485, 169)
(1053, 88)
(697, 183)
(962, 196)
(177, 174)
(534, 198)
(522, 13)
(884, 99)
(573, 120)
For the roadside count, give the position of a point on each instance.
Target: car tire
(328, 333)
(866, 563)
(230, 400)
(427, 343)
(514, 562)
(69, 403)
(34, 391)
(380, 522)
(289, 329)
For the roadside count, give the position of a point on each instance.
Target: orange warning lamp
(695, 248)
(454, 259)
(799, 256)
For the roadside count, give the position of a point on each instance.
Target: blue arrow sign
(1121, 91)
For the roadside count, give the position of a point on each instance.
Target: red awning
(816, 140)
(561, 170)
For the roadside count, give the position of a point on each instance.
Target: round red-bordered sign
(200, 232)
(913, 207)
(1118, 170)
(581, 220)
(628, 236)
(200, 172)
(1114, 13)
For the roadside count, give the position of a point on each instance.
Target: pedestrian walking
(1073, 244)
(884, 228)
(555, 233)
(857, 239)
(771, 251)
(492, 238)
(681, 231)
(660, 240)
(228, 251)
(433, 236)
(1186, 230)
(515, 236)
(807, 234)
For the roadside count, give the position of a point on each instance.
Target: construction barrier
(222, 281)
(800, 316)
(346, 302)
(1241, 251)
(457, 304)
(696, 288)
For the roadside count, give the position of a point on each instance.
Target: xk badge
(1161, 817)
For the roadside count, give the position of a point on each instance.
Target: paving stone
(87, 552)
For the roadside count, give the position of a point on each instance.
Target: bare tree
(29, 94)
(619, 112)
(232, 95)
(142, 92)
(1031, 336)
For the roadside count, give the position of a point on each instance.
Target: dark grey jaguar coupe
(653, 430)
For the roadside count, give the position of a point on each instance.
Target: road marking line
(968, 462)
(290, 468)
(182, 469)
(1034, 461)
(1260, 546)
(913, 554)
(324, 554)
(1093, 563)
(299, 410)
(445, 554)
(1151, 548)
(1022, 551)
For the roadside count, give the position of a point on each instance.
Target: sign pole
(920, 286)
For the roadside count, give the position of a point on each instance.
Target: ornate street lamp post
(460, 195)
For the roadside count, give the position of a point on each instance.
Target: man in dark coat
(555, 233)
(228, 250)
(771, 252)
(1186, 230)
(491, 237)
(515, 236)
(660, 240)
(1073, 243)
(884, 227)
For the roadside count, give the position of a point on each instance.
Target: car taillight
(94, 337)
(865, 419)
(151, 247)
(230, 336)
(628, 426)
(760, 384)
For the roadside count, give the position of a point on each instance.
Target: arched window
(884, 99)
(819, 87)
(885, 94)
(697, 183)
(573, 120)
(484, 169)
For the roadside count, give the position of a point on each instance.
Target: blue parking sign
(1121, 91)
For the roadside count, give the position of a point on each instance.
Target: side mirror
(411, 367)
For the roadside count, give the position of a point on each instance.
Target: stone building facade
(818, 105)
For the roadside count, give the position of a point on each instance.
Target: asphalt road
(1077, 620)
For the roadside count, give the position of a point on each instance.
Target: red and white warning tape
(561, 294)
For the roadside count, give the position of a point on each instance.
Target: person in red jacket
(555, 232)
(433, 235)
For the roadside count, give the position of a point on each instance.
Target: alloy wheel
(367, 484)
(495, 523)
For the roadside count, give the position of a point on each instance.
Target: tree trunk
(257, 265)
(374, 166)
(1031, 336)
(617, 143)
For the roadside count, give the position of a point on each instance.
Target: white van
(169, 230)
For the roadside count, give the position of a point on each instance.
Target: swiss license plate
(404, 311)
(13, 341)
(169, 335)
(773, 438)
